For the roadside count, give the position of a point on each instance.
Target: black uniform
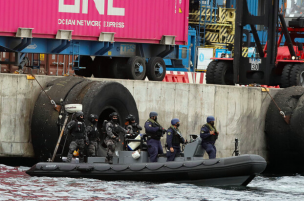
(173, 140)
(77, 129)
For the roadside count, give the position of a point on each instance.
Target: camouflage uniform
(77, 130)
(134, 129)
(93, 135)
(113, 130)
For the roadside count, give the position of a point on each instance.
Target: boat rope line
(286, 117)
(56, 107)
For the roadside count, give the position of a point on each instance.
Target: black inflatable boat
(192, 168)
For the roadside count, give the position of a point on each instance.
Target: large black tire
(85, 61)
(44, 128)
(297, 134)
(285, 77)
(118, 68)
(210, 72)
(101, 98)
(136, 68)
(297, 75)
(223, 73)
(282, 156)
(156, 69)
(101, 67)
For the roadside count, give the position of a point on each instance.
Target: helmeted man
(77, 129)
(174, 138)
(154, 131)
(113, 129)
(93, 135)
(134, 127)
(209, 135)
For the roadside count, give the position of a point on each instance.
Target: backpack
(103, 128)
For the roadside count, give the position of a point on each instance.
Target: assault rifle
(180, 135)
(163, 131)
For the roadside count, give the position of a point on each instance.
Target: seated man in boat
(174, 138)
(209, 135)
(77, 129)
(134, 127)
(113, 129)
(154, 132)
(93, 135)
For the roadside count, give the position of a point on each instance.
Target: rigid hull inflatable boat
(191, 168)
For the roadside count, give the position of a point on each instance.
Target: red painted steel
(144, 21)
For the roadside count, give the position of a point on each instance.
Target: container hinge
(64, 34)
(106, 37)
(167, 40)
(25, 32)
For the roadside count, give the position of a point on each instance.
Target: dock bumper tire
(156, 69)
(280, 137)
(101, 98)
(223, 73)
(136, 68)
(87, 62)
(210, 72)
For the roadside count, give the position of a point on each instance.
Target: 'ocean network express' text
(91, 23)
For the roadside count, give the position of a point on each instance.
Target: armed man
(93, 135)
(134, 127)
(77, 129)
(154, 131)
(174, 138)
(209, 135)
(113, 129)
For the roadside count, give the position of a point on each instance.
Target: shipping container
(131, 20)
(4, 56)
(129, 37)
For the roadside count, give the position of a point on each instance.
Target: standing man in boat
(154, 131)
(131, 125)
(113, 129)
(93, 135)
(209, 135)
(77, 129)
(174, 138)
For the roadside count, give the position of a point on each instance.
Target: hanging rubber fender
(282, 157)
(297, 134)
(44, 130)
(100, 98)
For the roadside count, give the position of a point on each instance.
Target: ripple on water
(16, 185)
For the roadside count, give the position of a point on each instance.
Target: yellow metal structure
(30, 77)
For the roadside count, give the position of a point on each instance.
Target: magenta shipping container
(142, 21)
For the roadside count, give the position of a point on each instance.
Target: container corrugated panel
(144, 21)
(4, 56)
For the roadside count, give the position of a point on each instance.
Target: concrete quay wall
(239, 111)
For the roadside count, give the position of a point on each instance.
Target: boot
(110, 160)
(69, 158)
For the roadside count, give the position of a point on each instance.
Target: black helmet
(113, 114)
(93, 117)
(130, 118)
(78, 114)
